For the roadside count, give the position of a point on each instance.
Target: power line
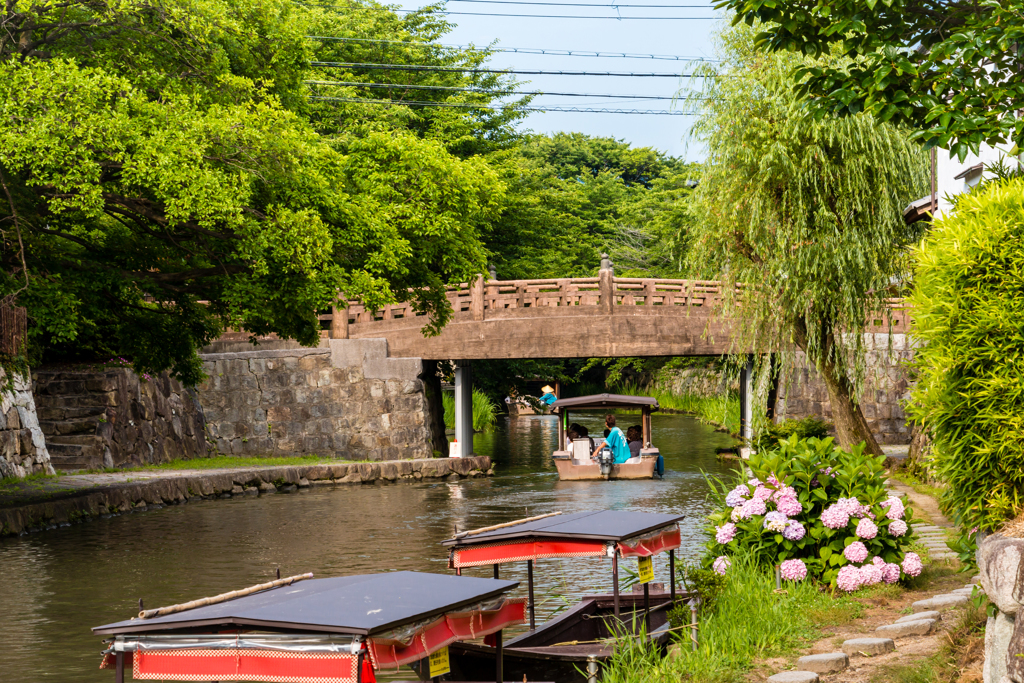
(523, 72)
(457, 105)
(523, 50)
(542, 16)
(444, 88)
(585, 4)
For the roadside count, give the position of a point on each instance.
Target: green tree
(165, 175)
(804, 215)
(967, 312)
(950, 70)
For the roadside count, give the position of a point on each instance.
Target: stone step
(920, 615)
(939, 603)
(828, 663)
(794, 677)
(77, 425)
(868, 647)
(68, 463)
(921, 627)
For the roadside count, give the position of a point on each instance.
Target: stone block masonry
(346, 399)
(22, 443)
(114, 418)
(77, 498)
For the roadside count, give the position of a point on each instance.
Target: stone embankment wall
(1000, 565)
(173, 489)
(802, 393)
(22, 444)
(114, 418)
(706, 382)
(346, 399)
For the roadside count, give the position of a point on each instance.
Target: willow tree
(805, 214)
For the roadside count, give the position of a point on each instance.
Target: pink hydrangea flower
(877, 561)
(783, 492)
(722, 563)
(773, 480)
(870, 575)
(856, 552)
(725, 533)
(763, 493)
(794, 531)
(737, 496)
(897, 527)
(737, 514)
(848, 578)
(793, 570)
(789, 506)
(754, 506)
(754, 481)
(835, 517)
(895, 506)
(866, 529)
(891, 573)
(912, 564)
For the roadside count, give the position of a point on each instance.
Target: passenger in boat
(634, 437)
(616, 441)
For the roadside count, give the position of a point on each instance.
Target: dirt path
(924, 506)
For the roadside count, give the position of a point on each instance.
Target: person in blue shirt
(616, 441)
(548, 397)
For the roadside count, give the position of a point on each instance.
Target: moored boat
(584, 636)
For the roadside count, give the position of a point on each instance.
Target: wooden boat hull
(516, 409)
(559, 649)
(569, 471)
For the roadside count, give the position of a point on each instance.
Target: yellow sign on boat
(439, 665)
(645, 567)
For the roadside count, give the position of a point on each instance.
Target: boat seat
(634, 461)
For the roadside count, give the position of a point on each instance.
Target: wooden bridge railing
(482, 296)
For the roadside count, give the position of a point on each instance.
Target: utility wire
(443, 88)
(539, 16)
(457, 105)
(524, 72)
(585, 4)
(523, 50)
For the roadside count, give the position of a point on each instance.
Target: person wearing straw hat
(549, 395)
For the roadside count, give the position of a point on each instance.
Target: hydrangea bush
(813, 509)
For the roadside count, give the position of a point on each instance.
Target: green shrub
(772, 433)
(968, 306)
(805, 503)
(485, 413)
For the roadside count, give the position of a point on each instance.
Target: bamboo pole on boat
(223, 597)
(502, 526)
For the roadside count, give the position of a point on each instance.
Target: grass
(485, 413)
(750, 621)
(722, 411)
(218, 462)
(918, 485)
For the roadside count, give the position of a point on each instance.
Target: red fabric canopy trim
(445, 631)
(645, 546)
(520, 551)
(272, 666)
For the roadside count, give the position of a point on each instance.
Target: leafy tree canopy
(950, 69)
(166, 172)
(804, 213)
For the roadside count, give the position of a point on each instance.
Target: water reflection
(58, 584)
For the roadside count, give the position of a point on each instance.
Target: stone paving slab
(828, 663)
(921, 627)
(794, 677)
(940, 603)
(868, 647)
(920, 615)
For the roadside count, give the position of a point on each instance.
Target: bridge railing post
(607, 287)
(339, 320)
(476, 301)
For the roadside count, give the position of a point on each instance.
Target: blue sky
(664, 37)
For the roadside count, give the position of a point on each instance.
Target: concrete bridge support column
(746, 405)
(464, 407)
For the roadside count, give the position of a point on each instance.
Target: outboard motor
(604, 459)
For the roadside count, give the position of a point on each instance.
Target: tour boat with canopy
(582, 637)
(305, 630)
(574, 459)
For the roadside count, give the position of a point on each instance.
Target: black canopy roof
(362, 605)
(606, 401)
(605, 525)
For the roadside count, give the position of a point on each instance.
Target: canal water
(55, 585)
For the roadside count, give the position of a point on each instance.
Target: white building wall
(949, 167)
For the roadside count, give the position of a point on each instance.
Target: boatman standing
(549, 396)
